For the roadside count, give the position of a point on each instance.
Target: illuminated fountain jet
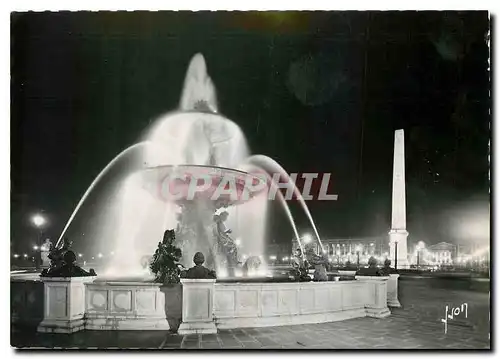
(191, 142)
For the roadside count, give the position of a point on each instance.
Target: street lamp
(38, 220)
(417, 248)
(358, 248)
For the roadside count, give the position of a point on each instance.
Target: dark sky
(319, 92)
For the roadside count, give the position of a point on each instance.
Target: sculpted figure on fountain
(199, 271)
(319, 262)
(300, 266)
(252, 265)
(45, 250)
(165, 262)
(225, 244)
(63, 262)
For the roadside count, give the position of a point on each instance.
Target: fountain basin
(112, 305)
(272, 304)
(116, 305)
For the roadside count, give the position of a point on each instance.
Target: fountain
(196, 176)
(194, 143)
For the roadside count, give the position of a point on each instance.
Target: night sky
(316, 91)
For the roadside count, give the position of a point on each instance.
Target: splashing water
(195, 134)
(265, 161)
(96, 180)
(284, 204)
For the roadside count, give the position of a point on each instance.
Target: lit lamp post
(38, 221)
(417, 248)
(358, 248)
(420, 246)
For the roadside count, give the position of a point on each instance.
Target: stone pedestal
(197, 306)
(377, 287)
(64, 305)
(399, 236)
(392, 291)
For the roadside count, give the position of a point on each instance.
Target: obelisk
(398, 231)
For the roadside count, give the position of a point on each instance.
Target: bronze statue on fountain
(199, 271)
(225, 245)
(300, 267)
(63, 262)
(320, 263)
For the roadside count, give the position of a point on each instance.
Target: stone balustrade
(392, 291)
(64, 304)
(125, 306)
(27, 302)
(72, 304)
(197, 306)
(268, 304)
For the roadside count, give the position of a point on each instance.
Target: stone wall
(27, 301)
(268, 304)
(132, 306)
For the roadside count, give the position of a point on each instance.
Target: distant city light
(237, 241)
(285, 258)
(244, 256)
(99, 255)
(25, 255)
(372, 244)
(80, 255)
(272, 258)
(16, 255)
(307, 238)
(35, 248)
(93, 258)
(112, 253)
(38, 220)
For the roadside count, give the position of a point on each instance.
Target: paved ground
(415, 326)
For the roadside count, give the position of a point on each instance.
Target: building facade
(343, 250)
